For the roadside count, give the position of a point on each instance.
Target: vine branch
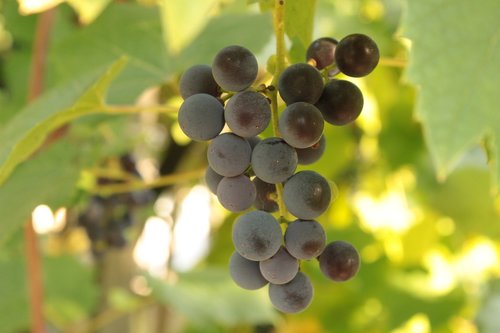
(35, 88)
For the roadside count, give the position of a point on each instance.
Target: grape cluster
(105, 219)
(245, 170)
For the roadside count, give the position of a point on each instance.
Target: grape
(300, 83)
(311, 154)
(307, 195)
(273, 160)
(198, 79)
(201, 117)
(356, 55)
(280, 268)
(322, 50)
(236, 193)
(256, 235)
(339, 261)
(266, 196)
(235, 68)
(305, 239)
(253, 141)
(247, 113)
(246, 273)
(301, 124)
(229, 155)
(212, 179)
(341, 102)
(293, 296)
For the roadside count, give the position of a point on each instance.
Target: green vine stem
(132, 186)
(279, 31)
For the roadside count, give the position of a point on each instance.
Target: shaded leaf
(26, 132)
(455, 61)
(229, 304)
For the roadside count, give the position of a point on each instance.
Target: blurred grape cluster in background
(156, 258)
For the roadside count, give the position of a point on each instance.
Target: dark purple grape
(247, 113)
(201, 117)
(300, 83)
(322, 50)
(305, 239)
(266, 196)
(339, 261)
(341, 102)
(212, 179)
(307, 195)
(235, 68)
(229, 155)
(280, 268)
(246, 273)
(294, 296)
(236, 193)
(256, 235)
(273, 160)
(311, 154)
(356, 55)
(301, 125)
(198, 79)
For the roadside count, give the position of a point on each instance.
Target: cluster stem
(279, 31)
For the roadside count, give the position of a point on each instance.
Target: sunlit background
(429, 248)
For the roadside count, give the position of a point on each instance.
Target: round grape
(294, 296)
(229, 155)
(301, 125)
(235, 68)
(300, 83)
(273, 160)
(356, 55)
(311, 154)
(201, 117)
(246, 273)
(341, 102)
(322, 50)
(307, 195)
(280, 268)
(266, 196)
(253, 141)
(236, 193)
(305, 239)
(247, 113)
(212, 179)
(198, 79)
(339, 261)
(256, 235)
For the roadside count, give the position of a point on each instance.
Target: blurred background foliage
(429, 248)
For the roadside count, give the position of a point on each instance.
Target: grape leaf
(299, 20)
(230, 304)
(183, 20)
(26, 132)
(455, 61)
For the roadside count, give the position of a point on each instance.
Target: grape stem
(279, 31)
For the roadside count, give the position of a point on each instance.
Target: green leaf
(49, 178)
(122, 29)
(229, 304)
(455, 61)
(299, 20)
(236, 29)
(87, 10)
(183, 20)
(29, 128)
